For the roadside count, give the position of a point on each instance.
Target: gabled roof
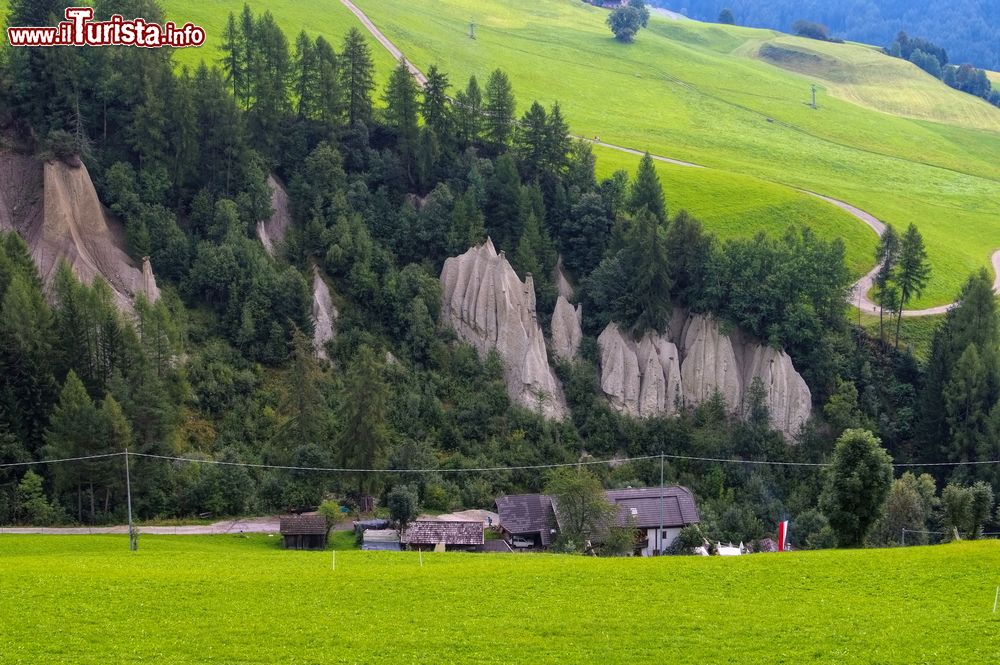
(303, 525)
(527, 514)
(431, 532)
(647, 506)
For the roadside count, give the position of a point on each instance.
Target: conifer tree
(647, 192)
(914, 270)
(468, 113)
(401, 114)
(435, 106)
(357, 73)
(499, 109)
(364, 432)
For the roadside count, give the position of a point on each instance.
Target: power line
(63, 459)
(487, 469)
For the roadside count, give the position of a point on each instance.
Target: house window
(663, 535)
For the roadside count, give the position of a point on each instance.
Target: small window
(663, 534)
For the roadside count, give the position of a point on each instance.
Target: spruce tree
(357, 73)
(401, 115)
(503, 210)
(329, 87)
(499, 109)
(435, 106)
(306, 77)
(647, 192)
(468, 113)
(886, 291)
(914, 270)
(364, 433)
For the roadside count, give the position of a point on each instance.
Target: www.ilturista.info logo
(79, 30)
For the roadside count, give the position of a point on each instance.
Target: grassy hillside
(886, 137)
(225, 599)
(690, 91)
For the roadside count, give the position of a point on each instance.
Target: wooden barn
(304, 532)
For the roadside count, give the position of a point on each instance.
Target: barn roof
(303, 525)
(431, 532)
(644, 505)
(527, 513)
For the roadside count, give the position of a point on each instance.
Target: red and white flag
(782, 535)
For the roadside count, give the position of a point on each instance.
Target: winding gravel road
(859, 292)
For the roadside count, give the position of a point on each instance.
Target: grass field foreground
(224, 599)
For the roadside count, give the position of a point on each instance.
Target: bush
(823, 539)
(811, 30)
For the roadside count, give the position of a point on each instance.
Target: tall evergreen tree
(401, 115)
(499, 109)
(364, 407)
(73, 432)
(503, 210)
(647, 192)
(914, 270)
(435, 107)
(886, 291)
(357, 73)
(468, 113)
(329, 87)
(306, 77)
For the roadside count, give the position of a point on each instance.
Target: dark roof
(527, 514)
(644, 506)
(431, 532)
(303, 525)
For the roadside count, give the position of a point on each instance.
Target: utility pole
(659, 532)
(472, 29)
(133, 535)
(814, 95)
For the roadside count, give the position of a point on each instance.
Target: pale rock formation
(566, 328)
(324, 315)
(709, 364)
(490, 308)
(654, 376)
(272, 232)
(787, 396)
(641, 379)
(149, 288)
(55, 208)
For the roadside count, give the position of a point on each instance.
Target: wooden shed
(443, 534)
(304, 532)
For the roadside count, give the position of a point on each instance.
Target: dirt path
(384, 41)
(859, 292)
(250, 525)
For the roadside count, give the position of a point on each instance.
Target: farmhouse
(527, 520)
(658, 514)
(304, 532)
(441, 535)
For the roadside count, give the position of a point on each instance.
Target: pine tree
(467, 228)
(250, 54)
(649, 274)
(647, 192)
(330, 91)
(913, 273)
(531, 141)
(557, 141)
(72, 432)
(306, 77)
(435, 107)
(401, 114)
(968, 398)
(499, 110)
(887, 257)
(358, 77)
(503, 210)
(468, 113)
(364, 432)
(234, 56)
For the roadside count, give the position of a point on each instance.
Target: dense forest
(968, 29)
(385, 185)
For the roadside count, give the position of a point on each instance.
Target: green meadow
(225, 599)
(702, 93)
